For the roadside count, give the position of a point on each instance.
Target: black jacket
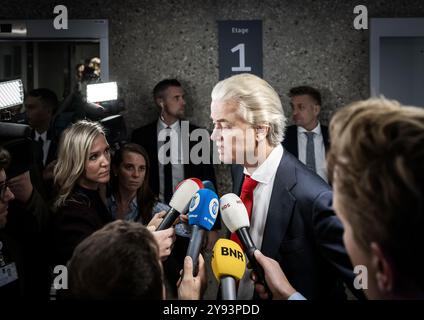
(147, 137)
(302, 233)
(290, 140)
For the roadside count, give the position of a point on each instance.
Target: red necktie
(246, 197)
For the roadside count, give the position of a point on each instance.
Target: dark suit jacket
(51, 154)
(290, 140)
(44, 187)
(302, 233)
(147, 137)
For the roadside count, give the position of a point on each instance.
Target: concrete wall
(304, 42)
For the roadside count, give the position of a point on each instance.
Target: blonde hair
(74, 148)
(376, 160)
(258, 103)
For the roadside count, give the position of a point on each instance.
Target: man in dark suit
(169, 97)
(170, 130)
(40, 106)
(307, 140)
(292, 220)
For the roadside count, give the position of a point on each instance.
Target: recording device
(15, 138)
(180, 201)
(116, 130)
(228, 266)
(202, 215)
(235, 217)
(94, 101)
(11, 95)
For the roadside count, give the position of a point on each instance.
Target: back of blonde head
(74, 148)
(258, 102)
(376, 161)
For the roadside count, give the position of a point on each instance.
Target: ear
(317, 109)
(262, 132)
(382, 269)
(159, 102)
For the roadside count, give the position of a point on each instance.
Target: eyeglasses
(3, 190)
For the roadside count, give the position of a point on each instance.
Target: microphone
(235, 217)
(180, 201)
(209, 185)
(202, 215)
(228, 266)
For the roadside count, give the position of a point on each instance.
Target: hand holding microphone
(235, 217)
(228, 265)
(192, 287)
(180, 201)
(203, 212)
(275, 278)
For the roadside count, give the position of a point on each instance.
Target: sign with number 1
(240, 47)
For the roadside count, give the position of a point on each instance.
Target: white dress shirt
(320, 164)
(46, 144)
(265, 175)
(177, 156)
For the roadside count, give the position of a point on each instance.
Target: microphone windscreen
(181, 198)
(198, 182)
(209, 185)
(233, 212)
(228, 259)
(203, 209)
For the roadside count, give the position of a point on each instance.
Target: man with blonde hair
(376, 162)
(289, 206)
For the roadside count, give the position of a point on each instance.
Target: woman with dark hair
(131, 197)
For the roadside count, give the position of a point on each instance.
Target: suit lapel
(324, 131)
(295, 144)
(280, 207)
(188, 167)
(238, 177)
(151, 147)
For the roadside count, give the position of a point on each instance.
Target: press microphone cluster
(202, 215)
(235, 217)
(228, 266)
(180, 201)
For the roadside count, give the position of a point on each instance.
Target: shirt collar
(316, 130)
(42, 135)
(268, 168)
(133, 206)
(162, 125)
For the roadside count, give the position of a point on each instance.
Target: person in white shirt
(291, 217)
(40, 107)
(307, 139)
(165, 139)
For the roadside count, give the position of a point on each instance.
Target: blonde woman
(83, 166)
